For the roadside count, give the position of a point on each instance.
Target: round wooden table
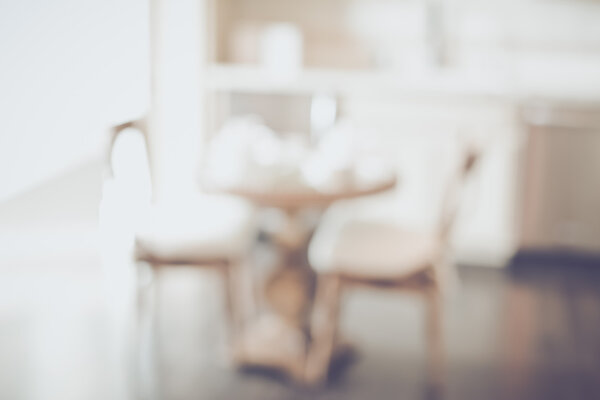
(300, 198)
(280, 337)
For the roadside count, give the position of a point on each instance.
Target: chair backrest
(116, 132)
(453, 191)
(128, 157)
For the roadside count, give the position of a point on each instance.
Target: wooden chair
(382, 255)
(208, 231)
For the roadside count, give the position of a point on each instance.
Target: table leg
(279, 337)
(290, 289)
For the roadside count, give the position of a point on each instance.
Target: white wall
(178, 61)
(68, 69)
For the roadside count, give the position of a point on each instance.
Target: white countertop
(552, 79)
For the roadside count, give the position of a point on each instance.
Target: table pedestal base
(271, 343)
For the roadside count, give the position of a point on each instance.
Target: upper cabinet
(344, 34)
(527, 48)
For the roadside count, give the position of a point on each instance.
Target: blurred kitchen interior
(405, 81)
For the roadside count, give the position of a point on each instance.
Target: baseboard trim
(555, 257)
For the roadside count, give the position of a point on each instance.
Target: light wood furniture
(381, 255)
(280, 338)
(558, 211)
(294, 199)
(208, 231)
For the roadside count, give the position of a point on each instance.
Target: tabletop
(305, 196)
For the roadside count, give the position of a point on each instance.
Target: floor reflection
(527, 332)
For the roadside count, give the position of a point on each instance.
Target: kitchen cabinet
(561, 186)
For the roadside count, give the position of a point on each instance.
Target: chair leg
(231, 301)
(146, 357)
(249, 293)
(435, 340)
(324, 329)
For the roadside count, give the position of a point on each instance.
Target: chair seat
(203, 229)
(371, 250)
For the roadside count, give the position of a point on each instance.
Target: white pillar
(176, 120)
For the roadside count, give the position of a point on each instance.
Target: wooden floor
(530, 331)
